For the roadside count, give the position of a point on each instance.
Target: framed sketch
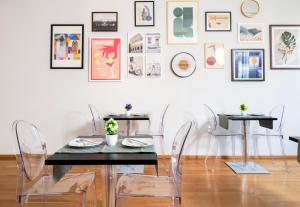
(285, 47)
(135, 66)
(153, 66)
(182, 22)
(66, 46)
(214, 55)
(152, 41)
(250, 33)
(144, 14)
(218, 21)
(136, 43)
(105, 59)
(247, 65)
(104, 21)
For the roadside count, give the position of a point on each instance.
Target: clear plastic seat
(131, 185)
(35, 181)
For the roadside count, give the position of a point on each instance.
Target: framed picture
(144, 14)
(250, 33)
(214, 55)
(104, 21)
(152, 41)
(182, 22)
(285, 47)
(218, 21)
(105, 59)
(153, 66)
(247, 65)
(66, 46)
(135, 66)
(136, 43)
(183, 64)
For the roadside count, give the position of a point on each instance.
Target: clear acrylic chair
(143, 186)
(157, 133)
(277, 132)
(96, 122)
(217, 133)
(36, 184)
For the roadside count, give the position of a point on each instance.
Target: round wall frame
(183, 64)
(250, 8)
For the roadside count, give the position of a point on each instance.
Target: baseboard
(7, 157)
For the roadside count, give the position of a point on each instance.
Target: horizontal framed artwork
(218, 21)
(247, 65)
(104, 21)
(66, 43)
(144, 14)
(250, 33)
(285, 47)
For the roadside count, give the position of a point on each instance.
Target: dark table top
(124, 117)
(247, 117)
(294, 138)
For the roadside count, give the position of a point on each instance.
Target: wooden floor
(203, 186)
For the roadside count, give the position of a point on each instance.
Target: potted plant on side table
(243, 109)
(111, 129)
(128, 108)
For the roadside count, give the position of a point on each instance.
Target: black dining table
(297, 140)
(244, 167)
(62, 162)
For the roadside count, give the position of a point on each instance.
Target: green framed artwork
(182, 22)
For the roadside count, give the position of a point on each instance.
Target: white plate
(84, 142)
(137, 142)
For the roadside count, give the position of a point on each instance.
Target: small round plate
(84, 142)
(137, 142)
(183, 64)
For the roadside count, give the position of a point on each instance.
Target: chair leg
(94, 193)
(270, 148)
(162, 147)
(283, 153)
(255, 149)
(176, 202)
(208, 149)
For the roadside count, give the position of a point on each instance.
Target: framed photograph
(153, 66)
(250, 33)
(285, 47)
(135, 43)
(182, 22)
(105, 59)
(144, 15)
(104, 21)
(135, 66)
(218, 21)
(152, 42)
(214, 55)
(66, 46)
(247, 65)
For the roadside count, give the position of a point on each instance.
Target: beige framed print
(250, 33)
(218, 21)
(214, 55)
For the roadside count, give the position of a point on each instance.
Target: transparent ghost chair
(217, 133)
(96, 120)
(157, 133)
(36, 184)
(143, 186)
(275, 133)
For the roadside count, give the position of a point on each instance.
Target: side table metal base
(250, 168)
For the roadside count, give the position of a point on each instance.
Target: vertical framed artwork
(104, 21)
(218, 21)
(250, 33)
(144, 14)
(285, 47)
(153, 57)
(135, 66)
(136, 48)
(105, 59)
(182, 22)
(66, 46)
(214, 55)
(247, 65)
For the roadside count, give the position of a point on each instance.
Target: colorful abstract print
(183, 22)
(249, 65)
(67, 46)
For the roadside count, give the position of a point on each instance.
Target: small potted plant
(243, 109)
(111, 129)
(128, 108)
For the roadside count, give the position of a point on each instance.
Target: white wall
(54, 99)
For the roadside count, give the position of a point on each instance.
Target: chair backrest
(278, 112)
(177, 149)
(162, 120)
(211, 118)
(96, 118)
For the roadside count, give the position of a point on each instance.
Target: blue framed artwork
(247, 65)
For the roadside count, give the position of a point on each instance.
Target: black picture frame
(174, 70)
(219, 12)
(135, 14)
(233, 64)
(52, 47)
(97, 27)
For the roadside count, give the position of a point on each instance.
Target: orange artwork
(105, 61)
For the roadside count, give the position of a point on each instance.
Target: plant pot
(243, 113)
(128, 113)
(111, 140)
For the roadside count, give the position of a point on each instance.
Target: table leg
(110, 184)
(245, 156)
(128, 127)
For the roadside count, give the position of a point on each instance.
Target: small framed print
(250, 33)
(144, 14)
(247, 65)
(218, 21)
(214, 55)
(66, 46)
(104, 21)
(285, 47)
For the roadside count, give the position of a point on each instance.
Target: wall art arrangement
(182, 22)
(284, 46)
(104, 21)
(218, 21)
(183, 64)
(144, 14)
(250, 33)
(214, 55)
(247, 65)
(105, 59)
(144, 55)
(66, 46)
